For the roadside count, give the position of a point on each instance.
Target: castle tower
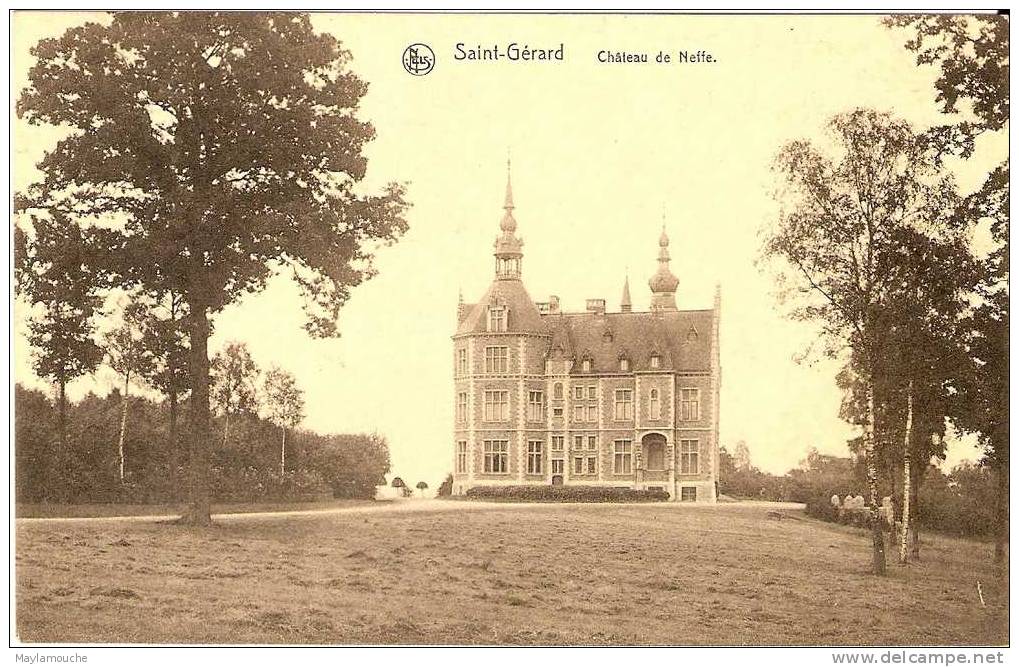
(663, 284)
(508, 248)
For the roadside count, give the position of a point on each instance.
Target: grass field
(49, 510)
(548, 574)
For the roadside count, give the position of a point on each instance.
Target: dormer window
(497, 318)
(585, 365)
(691, 335)
(624, 365)
(656, 361)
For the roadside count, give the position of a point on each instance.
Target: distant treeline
(959, 503)
(245, 459)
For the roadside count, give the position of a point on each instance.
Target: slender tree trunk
(174, 447)
(906, 475)
(123, 425)
(875, 526)
(283, 453)
(199, 510)
(1001, 506)
(226, 427)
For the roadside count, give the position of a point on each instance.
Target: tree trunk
(875, 526)
(174, 447)
(199, 510)
(52, 455)
(906, 476)
(226, 427)
(283, 453)
(1001, 506)
(123, 425)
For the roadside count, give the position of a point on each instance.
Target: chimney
(596, 306)
(553, 304)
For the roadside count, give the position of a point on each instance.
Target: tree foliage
(234, 380)
(284, 400)
(844, 239)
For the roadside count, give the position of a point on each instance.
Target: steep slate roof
(636, 336)
(523, 314)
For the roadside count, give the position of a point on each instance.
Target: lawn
(546, 574)
(49, 510)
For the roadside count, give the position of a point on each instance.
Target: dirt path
(403, 506)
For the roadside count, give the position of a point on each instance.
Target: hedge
(568, 494)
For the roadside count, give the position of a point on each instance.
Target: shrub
(567, 494)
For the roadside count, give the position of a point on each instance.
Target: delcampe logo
(418, 59)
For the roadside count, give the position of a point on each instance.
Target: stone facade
(624, 399)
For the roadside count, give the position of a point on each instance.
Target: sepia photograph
(503, 329)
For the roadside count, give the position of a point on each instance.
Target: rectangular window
(496, 359)
(557, 413)
(578, 442)
(578, 413)
(592, 442)
(592, 393)
(688, 494)
(592, 465)
(690, 405)
(461, 407)
(496, 406)
(578, 393)
(689, 451)
(461, 456)
(557, 443)
(557, 466)
(461, 361)
(655, 407)
(578, 465)
(622, 457)
(497, 319)
(624, 404)
(496, 456)
(534, 457)
(535, 406)
(592, 413)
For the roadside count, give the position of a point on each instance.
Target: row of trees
(873, 244)
(960, 501)
(203, 153)
(144, 467)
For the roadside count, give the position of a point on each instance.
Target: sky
(602, 155)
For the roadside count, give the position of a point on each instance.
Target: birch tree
(835, 245)
(129, 357)
(284, 402)
(234, 376)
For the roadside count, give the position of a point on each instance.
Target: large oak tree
(217, 149)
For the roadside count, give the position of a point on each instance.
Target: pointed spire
(664, 283)
(508, 224)
(625, 305)
(508, 205)
(507, 246)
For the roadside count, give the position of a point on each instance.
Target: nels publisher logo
(418, 59)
